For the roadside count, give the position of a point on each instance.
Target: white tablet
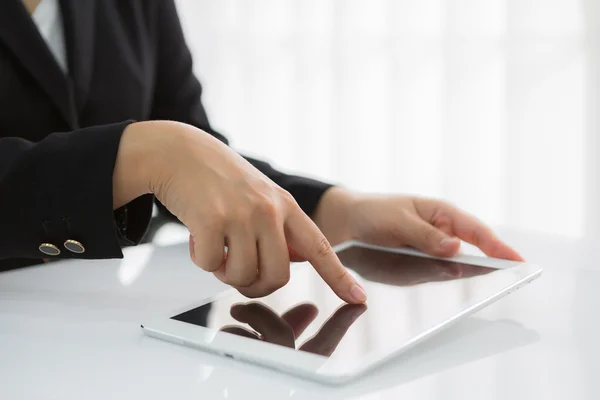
(304, 329)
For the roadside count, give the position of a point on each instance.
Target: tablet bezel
(309, 365)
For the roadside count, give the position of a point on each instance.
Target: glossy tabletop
(70, 330)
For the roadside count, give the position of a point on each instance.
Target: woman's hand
(432, 226)
(225, 201)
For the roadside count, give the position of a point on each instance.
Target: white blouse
(48, 19)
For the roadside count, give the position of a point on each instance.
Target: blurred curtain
(491, 104)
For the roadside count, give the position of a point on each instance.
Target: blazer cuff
(88, 208)
(70, 197)
(132, 220)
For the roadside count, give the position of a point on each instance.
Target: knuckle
(265, 207)
(276, 282)
(243, 277)
(241, 219)
(342, 275)
(281, 280)
(209, 265)
(430, 237)
(215, 220)
(438, 213)
(241, 281)
(287, 199)
(323, 248)
(255, 292)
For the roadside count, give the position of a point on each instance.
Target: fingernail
(358, 294)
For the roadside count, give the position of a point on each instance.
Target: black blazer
(59, 135)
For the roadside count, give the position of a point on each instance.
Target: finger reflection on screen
(333, 330)
(283, 330)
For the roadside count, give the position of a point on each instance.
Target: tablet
(305, 329)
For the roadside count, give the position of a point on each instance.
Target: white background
(491, 104)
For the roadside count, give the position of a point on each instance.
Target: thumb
(431, 240)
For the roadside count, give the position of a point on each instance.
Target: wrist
(333, 215)
(138, 161)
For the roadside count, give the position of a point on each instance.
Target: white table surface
(70, 330)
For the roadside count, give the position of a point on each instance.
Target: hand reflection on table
(285, 329)
(405, 270)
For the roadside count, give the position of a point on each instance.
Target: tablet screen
(407, 295)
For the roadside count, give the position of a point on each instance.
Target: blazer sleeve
(178, 94)
(61, 188)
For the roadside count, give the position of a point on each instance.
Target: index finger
(310, 243)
